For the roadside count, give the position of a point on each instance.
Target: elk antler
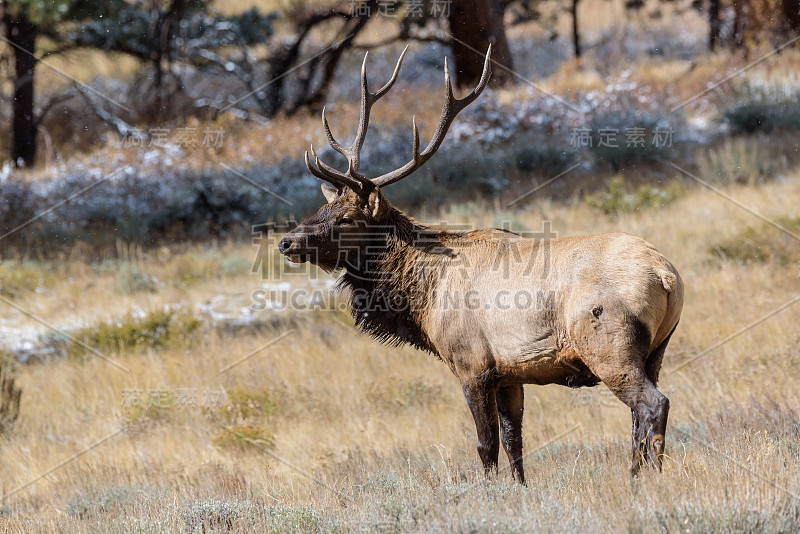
(357, 181)
(452, 107)
(352, 178)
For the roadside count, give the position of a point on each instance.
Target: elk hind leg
(653, 413)
(622, 362)
(510, 406)
(649, 412)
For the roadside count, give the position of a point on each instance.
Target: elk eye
(345, 220)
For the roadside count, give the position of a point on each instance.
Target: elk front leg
(510, 405)
(482, 403)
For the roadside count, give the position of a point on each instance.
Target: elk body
(500, 310)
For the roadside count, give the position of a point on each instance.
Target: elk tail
(668, 279)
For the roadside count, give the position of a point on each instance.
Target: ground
(325, 429)
(188, 387)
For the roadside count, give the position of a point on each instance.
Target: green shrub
(621, 146)
(757, 106)
(17, 278)
(131, 280)
(542, 160)
(239, 515)
(244, 437)
(157, 329)
(249, 404)
(214, 515)
(302, 518)
(144, 206)
(762, 244)
(742, 160)
(751, 117)
(617, 199)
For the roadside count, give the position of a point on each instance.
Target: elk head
(336, 235)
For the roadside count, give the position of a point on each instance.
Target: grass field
(171, 390)
(324, 429)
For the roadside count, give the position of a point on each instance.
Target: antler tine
(353, 178)
(332, 173)
(325, 168)
(357, 181)
(318, 174)
(482, 83)
(383, 90)
(452, 107)
(368, 99)
(415, 144)
(334, 178)
(331, 141)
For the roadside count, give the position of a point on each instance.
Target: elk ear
(329, 192)
(378, 205)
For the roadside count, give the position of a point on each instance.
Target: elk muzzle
(294, 248)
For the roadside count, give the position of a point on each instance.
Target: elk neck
(392, 287)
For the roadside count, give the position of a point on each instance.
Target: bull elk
(611, 301)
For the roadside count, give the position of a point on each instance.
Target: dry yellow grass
(355, 436)
(368, 437)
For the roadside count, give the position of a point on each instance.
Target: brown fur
(610, 303)
(599, 308)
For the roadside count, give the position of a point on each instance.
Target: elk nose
(284, 245)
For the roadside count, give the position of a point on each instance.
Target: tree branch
(123, 128)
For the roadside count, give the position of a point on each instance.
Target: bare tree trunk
(155, 106)
(739, 22)
(474, 24)
(162, 33)
(576, 36)
(713, 25)
(21, 33)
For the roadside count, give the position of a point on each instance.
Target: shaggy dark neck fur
(392, 286)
